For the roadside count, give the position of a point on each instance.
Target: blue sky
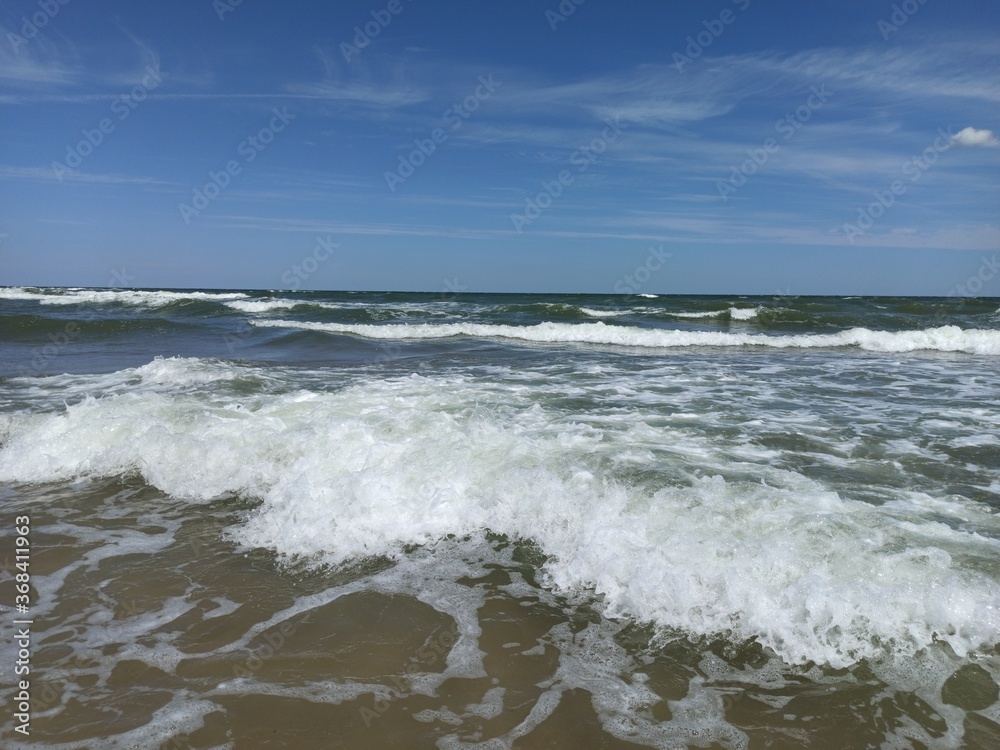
(839, 146)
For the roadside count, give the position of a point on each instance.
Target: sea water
(502, 521)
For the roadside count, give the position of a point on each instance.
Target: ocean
(390, 520)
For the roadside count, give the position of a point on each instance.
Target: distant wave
(114, 296)
(18, 293)
(944, 338)
(733, 313)
(270, 305)
(592, 313)
(261, 305)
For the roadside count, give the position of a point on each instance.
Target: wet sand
(151, 630)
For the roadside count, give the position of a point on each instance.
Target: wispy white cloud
(658, 96)
(46, 62)
(940, 71)
(790, 228)
(387, 87)
(143, 56)
(380, 229)
(684, 131)
(44, 174)
(375, 97)
(37, 62)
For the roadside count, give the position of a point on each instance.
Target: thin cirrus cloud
(934, 71)
(685, 130)
(47, 175)
(368, 96)
(37, 63)
(54, 62)
(658, 97)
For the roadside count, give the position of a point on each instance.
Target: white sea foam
(18, 293)
(735, 313)
(380, 464)
(271, 305)
(705, 314)
(743, 313)
(261, 305)
(163, 375)
(944, 338)
(109, 296)
(590, 312)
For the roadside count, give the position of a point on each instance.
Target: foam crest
(18, 293)
(164, 375)
(381, 464)
(592, 313)
(272, 305)
(741, 313)
(261, 305)
(111, 296)
(733, 313)
(943, 338)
